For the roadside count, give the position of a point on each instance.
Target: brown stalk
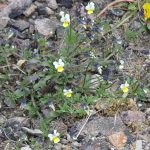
(138, 2)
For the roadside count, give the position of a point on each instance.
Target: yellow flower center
(146, 8)
(90, 11)
(56, 139)
(68, 94)
(125, 89)
(60, 68)
(65, 23)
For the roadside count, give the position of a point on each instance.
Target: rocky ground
(112, 126)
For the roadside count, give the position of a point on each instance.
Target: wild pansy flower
(146, 8)
(67, 93)
(59, 65)
(90, 7)
(125, 87)
(54, 137)
(121, 66)
(65, 19)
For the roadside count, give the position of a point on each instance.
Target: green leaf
(132, 6)
(148, 26)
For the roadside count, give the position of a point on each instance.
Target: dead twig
(111, 4)
(82, 127)
(139, 8)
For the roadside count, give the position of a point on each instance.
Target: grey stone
(94, 82)
(136, 25)
(148, 111)
(38, 4)
(91, 146)
(30, 10)
(139, 145)
(2, 119)
(46, 27)
(31, 29)
(3, 21)
(99, 2)
(58, 146)
(60, 31)
(129, 117)
(20, 25)
(76, 144)
(45, 11)
(49, 11)
(117, 12)
(52, 4)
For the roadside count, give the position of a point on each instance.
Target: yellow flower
(65, 19)
(146, 8)
(125, 87)
(90, 7)
(67, 93)
(54, 137)
(59, 65)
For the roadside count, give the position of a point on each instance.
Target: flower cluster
(146, 8)
(65, 18)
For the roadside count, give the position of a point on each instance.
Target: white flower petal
(145, 91)
(67, 17)
(121, 62)
(62, 18)
(55, 64)
(56, 133)
(64, 90)
(87, 7)
(61, 63)
(51, 136)
(70, 91)
(121, 67)
(92, 5)
(121, 86)
(126, 84)
(61, 13)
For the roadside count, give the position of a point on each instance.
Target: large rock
(99, 125)
(46, 27)
(20, 25)
(14, 9)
